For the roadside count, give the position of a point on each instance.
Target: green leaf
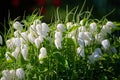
(13, 58)
(59, 57)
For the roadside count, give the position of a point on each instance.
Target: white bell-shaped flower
(38, 41)
(10, 44)
(13, 74)
(17, 42)
(31, 38)
(16, 52)
(43, 54)
(81, 35)
(106, 44)
(88, 36)
(18, 26)
(6, 74)
(17, 33)
(58, 43)
(93, 27)
(20, 74)
(39, 29)
(45, 27)
(24, 35)
(24, 51)
(110, 24)
(61, 28)
(58, 35)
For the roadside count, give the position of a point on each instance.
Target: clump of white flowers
(38, 34)
(18, 74)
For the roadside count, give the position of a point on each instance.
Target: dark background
(18, 7)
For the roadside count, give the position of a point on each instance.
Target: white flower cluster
(18, 44)
(89, 35)
(84, 35)
(17, 74)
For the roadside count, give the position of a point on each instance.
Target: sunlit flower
(17, 33)
(45, 27)
(43, 54)
(24, 35)
(1, 40)
(93, 27)
(106, 44)
(18, 26)
(88, 36)
(39, 29)
(13, 74)
(58, 35)
(110, 24)
(17, 42)
(61, 28)
(20, 74)
(81, 35)
(16, 52)
(6, 74)
(31, 38)
(38, 41)
(24, 51)
(10, 44)
(58, 43)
